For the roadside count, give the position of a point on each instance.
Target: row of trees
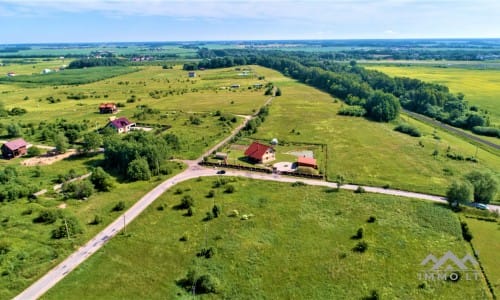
(480, 186)
(95, 62)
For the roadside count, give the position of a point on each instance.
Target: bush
(211, 194)
(354, 111)
(229, 189)
(408, 129)
(138, 169)
(78, 189)
(371, 219)
(47, 216)
(190, 211)
(119, 206)
(216, 211)
(202, 284)
(307, 170)
(298, 183)
(360, 190)
(101, 180)
(207, 253)
(34, 151)
(488, 131)
(4, 247)
(186, 202)
(466, 234)
(96, 221)
(360, 247)
(358, 235)
(209, 216)
(69, 225)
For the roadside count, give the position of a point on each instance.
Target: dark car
(221, 172)
(479, 205)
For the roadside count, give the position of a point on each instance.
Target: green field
(480, 87)
(32, 252)
(486, 241)
(368, 152)
(297, 245)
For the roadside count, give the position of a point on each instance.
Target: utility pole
(475, 155)
(124, 224)
(67, 229)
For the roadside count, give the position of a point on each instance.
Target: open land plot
(31, 251)
(480, 87)
(305, 232)
(368, 152)
(486, 241)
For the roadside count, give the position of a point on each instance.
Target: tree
(382, 106)
(14, 130)
(78, 189)
(138, 169)
(459, 192)
(101, 180)
(485, 186)
(91, 141)
(60, 142)
(34, 151)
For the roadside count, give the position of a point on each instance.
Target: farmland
(480, 86)
(305, 232)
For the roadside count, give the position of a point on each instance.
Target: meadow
(31, 251)
(296, 244)
(363, 151)
(486, 242)
(481, 87)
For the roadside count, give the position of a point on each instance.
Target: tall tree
(485, 186)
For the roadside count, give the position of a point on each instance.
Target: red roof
(16, 144)
(257, 150)
(107, 105)
(121, 122)
(306, 161)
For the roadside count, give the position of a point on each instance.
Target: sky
(53, 21)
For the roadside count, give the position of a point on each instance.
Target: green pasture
(297, 244)
(32, 251)
(368, 152)
(486, 241)
(480, 87)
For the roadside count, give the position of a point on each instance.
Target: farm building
(121, 125)
(260, 153)
(191, 74)
(107, 108)
(307, 162)
(14, 148)
(235, 86)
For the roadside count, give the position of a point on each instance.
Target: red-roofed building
(307, 162)
(260, 153)
(107, 108)
(14, 148)
(121, 125)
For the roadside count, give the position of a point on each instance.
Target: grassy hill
(297, 244)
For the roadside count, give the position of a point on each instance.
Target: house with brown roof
(14, 148)
(260, 153)
(307, 162)
(121, 125)
(107, 108)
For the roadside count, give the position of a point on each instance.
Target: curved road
(194, 170)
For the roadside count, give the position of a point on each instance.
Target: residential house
(121, 125)
(307, 162)
(260, 153)
(14, 148)
(107, 108)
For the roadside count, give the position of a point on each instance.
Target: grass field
(32, 252)
(480, 87)
(369, 152)
(486, 241)
(297, 245)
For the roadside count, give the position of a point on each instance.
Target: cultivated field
(480, 87)
(297, 244)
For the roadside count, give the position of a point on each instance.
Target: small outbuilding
(260, 153)
(221, 155)
(107, 108)
(191, 74)
(14, 148)
(307, 162)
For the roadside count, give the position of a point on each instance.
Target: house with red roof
(14, 148)
(121, 125)
(260, 153)
(107, 108)
(307, 162)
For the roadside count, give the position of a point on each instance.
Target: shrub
(354, 111)
(69, 226)
(138, 169)
(96, 221)
(211, 194)
(360, 247)
(359, 234)
(178, 191)
(209, 216)
(466, 234)
(186, 202)
(229, 189)
(408, 129)
(371, 219)
(4, 247)
(184, 237)
(216, 211)
(47, 216)
(34, 151)
(207, 253)
(101, 180)
(190, 212)
(307, 170)
(298, 183)
(119, 206)
(78, 189)
(488, 131)
(202, 284)
(234, 213)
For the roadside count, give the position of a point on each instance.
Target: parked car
(479, 205)
(221, 172)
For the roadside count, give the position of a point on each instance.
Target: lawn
(480, 87)
(31, 250)
(486, 241)
(368, 152)
(297, 244)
